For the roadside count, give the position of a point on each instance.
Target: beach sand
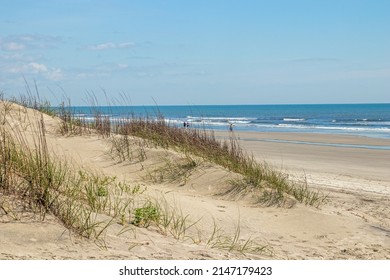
(326, 159)
(354, 223)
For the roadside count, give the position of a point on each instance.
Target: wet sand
(311, 155)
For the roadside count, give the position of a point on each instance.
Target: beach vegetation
(87, 203)
(177, 170)
(145, 215)
(130, 136)
(201, 143)
(234, 242)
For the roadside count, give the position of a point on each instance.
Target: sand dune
(354, 223)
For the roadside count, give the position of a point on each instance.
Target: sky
(197, 52)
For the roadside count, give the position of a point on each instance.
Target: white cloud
(12, 46)
(34, 68)
(23, 42)
(12, 69)
(110, 45)
(55, 74)
(123, 66)
(125, 45)
(30, 68)
(103, 46)
(37, 67)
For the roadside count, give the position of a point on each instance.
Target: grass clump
(84, 202)
(275, 185)
(233, 242)
(73, 123)
(70, 124)
(124, 148)
(33, 100)
(177, 170)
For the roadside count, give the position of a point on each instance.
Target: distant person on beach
(231, 127)
(184, 124)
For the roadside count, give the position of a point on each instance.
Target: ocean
(371, 120)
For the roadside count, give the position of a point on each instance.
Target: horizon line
(245, 104)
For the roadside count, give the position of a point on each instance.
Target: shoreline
(338, 162)
(329, 138)
(315, 139)
(321, 144)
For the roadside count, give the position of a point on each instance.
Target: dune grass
(130, 136)
(85, 202)
(46, 184)
(201, 143)
(88, 204)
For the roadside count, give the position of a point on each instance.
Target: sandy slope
(354, 224)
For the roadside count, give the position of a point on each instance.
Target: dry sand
(353, 224)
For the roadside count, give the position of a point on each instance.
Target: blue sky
(198, 52)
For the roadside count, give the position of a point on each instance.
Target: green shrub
(144, 216)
